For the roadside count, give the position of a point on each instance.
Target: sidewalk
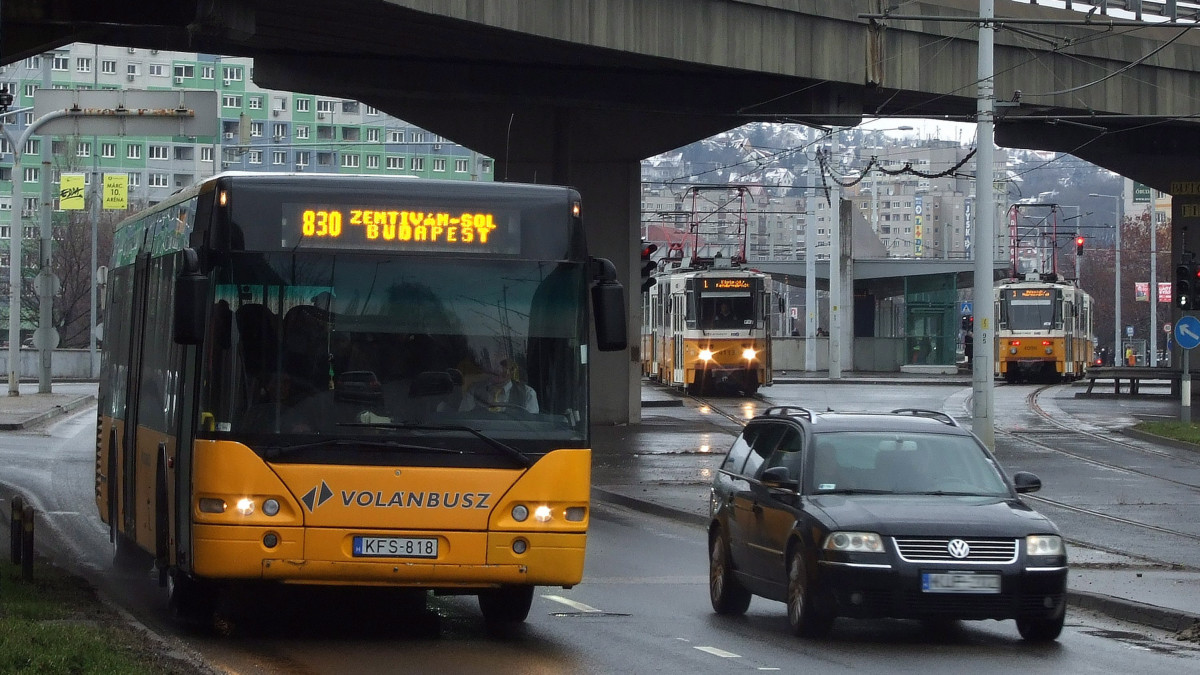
(31, 408)
(664, 466)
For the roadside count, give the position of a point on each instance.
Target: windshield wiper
(854, 491)
(278, 451)
(508, 450)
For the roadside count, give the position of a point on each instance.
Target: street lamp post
(1120, 210)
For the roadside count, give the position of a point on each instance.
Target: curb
(56, 411)
(1117, 608)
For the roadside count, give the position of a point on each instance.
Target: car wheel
(727, 594)
(806, 619)
(506, 606)
(1042, 630)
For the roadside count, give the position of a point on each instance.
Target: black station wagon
(902, 514)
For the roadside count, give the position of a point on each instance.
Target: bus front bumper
(465, 559)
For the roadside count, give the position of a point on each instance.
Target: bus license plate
(395, 547)
(959, 582)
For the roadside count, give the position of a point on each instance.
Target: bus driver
(500, 388)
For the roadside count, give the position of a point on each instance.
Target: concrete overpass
(579, 91)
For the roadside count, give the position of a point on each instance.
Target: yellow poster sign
(116, 191)
(70, 192)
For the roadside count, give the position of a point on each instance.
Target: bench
(1134, 376)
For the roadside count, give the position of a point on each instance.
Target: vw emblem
(958, 548)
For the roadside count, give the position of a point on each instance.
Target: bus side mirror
(608, 307)
(191, 301)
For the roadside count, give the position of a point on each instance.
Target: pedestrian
(969, 346)
(1130, 359)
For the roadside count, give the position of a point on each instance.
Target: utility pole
(835, 263)
(982, 378)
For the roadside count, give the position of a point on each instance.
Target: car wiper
(854, 491)
(281, 450)
(508, 450)
(950, 493)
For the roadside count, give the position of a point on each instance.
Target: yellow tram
(1043, 329)
(706, 328)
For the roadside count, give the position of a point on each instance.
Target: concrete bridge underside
(575, 92)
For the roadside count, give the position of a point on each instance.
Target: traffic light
(648, 266)
(6, 99)
(968, 322)
(1078, 245)
(1185, 283)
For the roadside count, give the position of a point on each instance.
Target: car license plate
(959, 582)
(395, 547)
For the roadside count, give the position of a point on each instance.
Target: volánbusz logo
(417, 500)
(398, 499)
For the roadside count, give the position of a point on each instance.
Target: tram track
(1066, 428)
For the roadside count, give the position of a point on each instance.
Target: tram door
(678, 323)
(1069, 332)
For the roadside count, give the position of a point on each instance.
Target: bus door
(678, 323)
(129, 451)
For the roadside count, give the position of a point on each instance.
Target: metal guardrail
(1172, 10)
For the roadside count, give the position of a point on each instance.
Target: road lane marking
(719, 652)
(572, 604)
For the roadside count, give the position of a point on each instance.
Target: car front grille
(937, 550)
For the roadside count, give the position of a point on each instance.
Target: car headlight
(1044, 544)
(854, 542)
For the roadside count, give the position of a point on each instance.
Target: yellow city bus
(291, 378)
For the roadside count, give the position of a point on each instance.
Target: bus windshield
(1032, 309)
(346, 346)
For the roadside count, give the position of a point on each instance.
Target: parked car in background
(902, 514)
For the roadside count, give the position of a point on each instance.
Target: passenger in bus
(499, 389)
(287, 405)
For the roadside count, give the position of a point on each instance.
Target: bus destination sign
(370, 227)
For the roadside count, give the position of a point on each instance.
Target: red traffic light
(1078, 245)
(648, 250)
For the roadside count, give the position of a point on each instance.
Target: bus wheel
(127, 557)
(506, 606)
(187, 598)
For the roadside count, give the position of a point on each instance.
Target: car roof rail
(790, 410)
(931, 414)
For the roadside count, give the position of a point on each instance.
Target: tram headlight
(748, 353)
(706, 355)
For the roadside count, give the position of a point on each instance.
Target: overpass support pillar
(612, 218)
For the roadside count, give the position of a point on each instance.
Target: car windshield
(902, 463)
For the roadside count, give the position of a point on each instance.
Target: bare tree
(70, 257)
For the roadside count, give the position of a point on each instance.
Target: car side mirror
(1024, 482)
(778, 477)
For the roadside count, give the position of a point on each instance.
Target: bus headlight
(245, 506)
(271, 507)
(520, 513)
(542, 514)
(706, 355)
(748, 353)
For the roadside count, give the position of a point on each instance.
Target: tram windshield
(725, 304)
(1031, 308)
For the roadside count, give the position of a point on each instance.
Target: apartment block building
(259, 129)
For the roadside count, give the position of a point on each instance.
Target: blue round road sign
(1187, 332)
